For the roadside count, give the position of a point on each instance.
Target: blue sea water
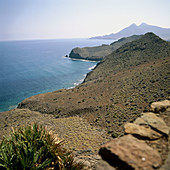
(32, 67)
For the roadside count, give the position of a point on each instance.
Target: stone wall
(145, 145)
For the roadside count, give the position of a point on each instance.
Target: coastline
(114, 93)
(78, 82)
(85, 60)
(23, 75)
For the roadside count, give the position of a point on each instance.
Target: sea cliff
(117, 91)
(99, 52)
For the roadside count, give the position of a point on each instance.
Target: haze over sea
(32, 67)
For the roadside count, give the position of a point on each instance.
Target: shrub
(34, 148)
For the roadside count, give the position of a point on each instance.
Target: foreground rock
(154, 122)
(160, 106)
(146, 132)
(127, 152)
(148, 126)
(148, 148)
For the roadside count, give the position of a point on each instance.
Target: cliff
(99, 52)
(117, 91)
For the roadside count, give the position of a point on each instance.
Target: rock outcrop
(135, 149)
(160, 106)
(146, 132)
(99, 52)
(154, 122)
(128, 152)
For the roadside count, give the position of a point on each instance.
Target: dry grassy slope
(118, 90)
(148, 48)
(75, 132)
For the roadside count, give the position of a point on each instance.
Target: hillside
(117, 90)
(99, 52)
(146, 49)
(164, 33)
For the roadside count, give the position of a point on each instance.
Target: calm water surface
(28, 68)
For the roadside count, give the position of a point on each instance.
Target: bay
(32, 67)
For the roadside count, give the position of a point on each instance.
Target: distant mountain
(133, 29)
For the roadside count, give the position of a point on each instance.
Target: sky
(53, 19)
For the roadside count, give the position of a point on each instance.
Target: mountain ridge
(117, 91)
(132, 29)
(99, 52)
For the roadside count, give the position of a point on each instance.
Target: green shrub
(34, 148)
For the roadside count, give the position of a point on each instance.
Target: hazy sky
(43, 19)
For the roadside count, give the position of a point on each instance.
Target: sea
(32, 67)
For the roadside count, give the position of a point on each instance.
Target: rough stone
(103, 165)
(140, 121)
(160, 106)
(155, 122)
(97, 157)
(128, 152)
(168, 109)
(166, 165)
(85, 162)
(146, 132)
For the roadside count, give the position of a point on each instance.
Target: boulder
(154, 122)
(160, 106)
(128, 152)
(140, 121)
(142, 131)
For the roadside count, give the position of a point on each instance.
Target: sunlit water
(28, 68)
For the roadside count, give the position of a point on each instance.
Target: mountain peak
(143, 24)
(152, 36)
(133, 29)
(132, 25)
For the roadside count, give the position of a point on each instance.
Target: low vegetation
(117, 90)
(33, 147)
(99, 52)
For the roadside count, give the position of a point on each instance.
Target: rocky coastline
(100, 52)
(106, 105)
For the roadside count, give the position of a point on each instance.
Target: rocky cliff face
(111, 99)
(99, 52)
